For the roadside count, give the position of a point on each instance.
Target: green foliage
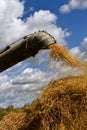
(2, 113)
(5, 111)
(10, 108)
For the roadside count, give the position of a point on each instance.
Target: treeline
(5, 111)
(11, 108)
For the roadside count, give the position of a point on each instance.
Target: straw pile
(62, 105)
(12, 121)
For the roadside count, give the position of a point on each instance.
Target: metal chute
(24, 48)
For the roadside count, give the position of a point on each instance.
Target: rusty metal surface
(29, 46)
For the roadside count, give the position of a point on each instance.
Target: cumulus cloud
(13, 27)
(84, 46)
(23, 88)
(72, 5)
(84, 43)
(32, 76)
(80, 52)
(76, 52)
(45, 20)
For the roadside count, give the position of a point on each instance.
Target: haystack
(61, 106)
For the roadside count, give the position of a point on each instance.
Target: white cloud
(13, 27)
(72, 5)
(84, 46)
(76, 52)
(84, 43)
(45, 20)
(80, 52)
(32, 76)
(4, 82)
(65, 8)
(23, 88)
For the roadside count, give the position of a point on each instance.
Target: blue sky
(75, 21)
(64, 19)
